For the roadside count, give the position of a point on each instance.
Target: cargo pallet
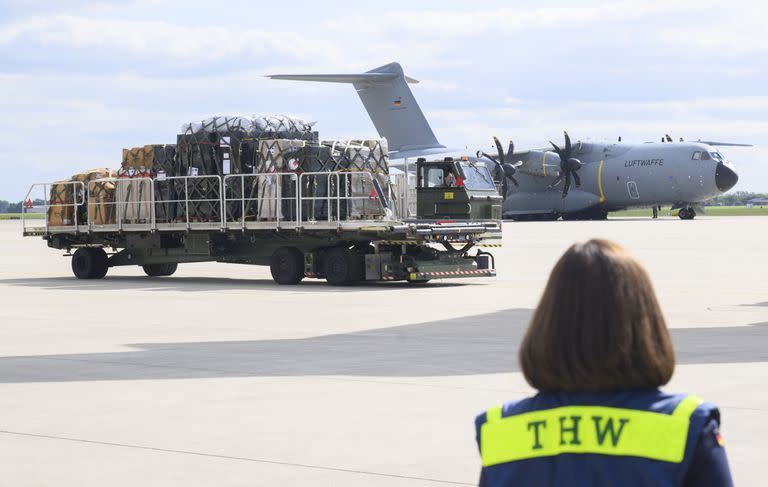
(275, 219)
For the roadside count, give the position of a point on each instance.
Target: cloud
(83, 79)
(186, 45)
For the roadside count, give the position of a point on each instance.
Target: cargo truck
(341, 225)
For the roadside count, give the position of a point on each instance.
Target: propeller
(568, 166)
(504, 170)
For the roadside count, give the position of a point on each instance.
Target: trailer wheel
(90, 263)
(287, 265)
(160, 270)
(342, 266)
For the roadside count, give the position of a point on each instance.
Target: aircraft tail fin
(390, 104)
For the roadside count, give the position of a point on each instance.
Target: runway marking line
(229, 457)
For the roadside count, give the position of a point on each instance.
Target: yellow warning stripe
(600, 181)
(544, 163)
(488, 245)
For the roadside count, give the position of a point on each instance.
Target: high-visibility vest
(626, 438)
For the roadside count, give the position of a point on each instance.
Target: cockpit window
(716, 156)
(705, 156)
(696, 156)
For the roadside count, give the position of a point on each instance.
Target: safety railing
(60, 208)
(239, 201)
(188, 202)
(115, 204)
(268, 200)
(344, 196)
(404, 201)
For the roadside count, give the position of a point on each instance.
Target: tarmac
(217, 376)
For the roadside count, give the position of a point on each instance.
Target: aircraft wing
(724, 144)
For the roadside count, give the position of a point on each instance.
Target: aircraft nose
(725, 177)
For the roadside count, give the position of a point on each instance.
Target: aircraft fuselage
(621, 175)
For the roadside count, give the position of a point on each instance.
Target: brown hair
(598, 326)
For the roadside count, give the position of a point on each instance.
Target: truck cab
(455, 189)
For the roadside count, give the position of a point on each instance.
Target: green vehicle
(456, 189)
(343, 226)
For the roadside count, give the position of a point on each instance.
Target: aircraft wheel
(90, 263)
(686, 213)
(287, 265)
(160, 270)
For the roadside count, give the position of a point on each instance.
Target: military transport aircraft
(582, 180)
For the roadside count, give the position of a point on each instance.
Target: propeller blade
(514, 181)
(501, 176)
(481, 153)
(567, 145)
(499, 149)
(511, 149)
(567, 185)
(556, 181)
(577, 179)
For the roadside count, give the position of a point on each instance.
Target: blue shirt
(704, 464)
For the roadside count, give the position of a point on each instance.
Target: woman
(597, 350)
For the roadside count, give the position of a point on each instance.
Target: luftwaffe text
(644, 162)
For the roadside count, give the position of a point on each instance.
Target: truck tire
(287, 265)
(90, 263)
(342, 266)
(160, 270)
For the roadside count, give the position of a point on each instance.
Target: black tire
(287, 265)
(90, 263)
(342, 266)
(101, 263)
(686, 213)
(160, 270)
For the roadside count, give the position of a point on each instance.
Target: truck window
(434, 177)
(477, 177)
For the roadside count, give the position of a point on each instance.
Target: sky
(80, 80)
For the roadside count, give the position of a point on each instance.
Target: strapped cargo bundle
(61, 204)
(357, 159)
(102, 205)
(99, 208)
(219, 146)
(156, 161)
(228, 145)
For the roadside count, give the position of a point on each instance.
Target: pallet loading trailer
(342, 248)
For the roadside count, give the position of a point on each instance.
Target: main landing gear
(686, 213)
